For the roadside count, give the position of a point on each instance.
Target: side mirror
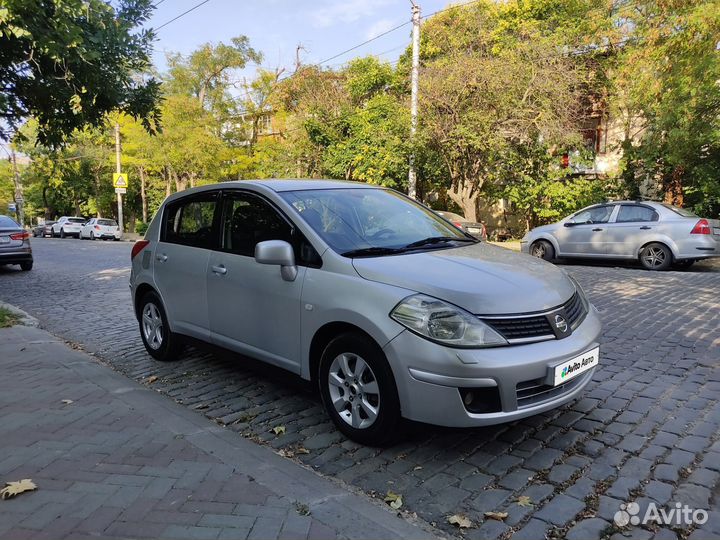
(277, 252)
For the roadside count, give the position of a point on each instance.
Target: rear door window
(635, 213)
(191, 221)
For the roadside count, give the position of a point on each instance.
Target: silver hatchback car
(391, 310)
(659, 235)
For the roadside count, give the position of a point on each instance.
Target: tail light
(457, 224)
(138, 247)
(96, 227)
(701, 227)
(20, 236)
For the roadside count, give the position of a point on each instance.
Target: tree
(67, 63)
(666, 89)
(495, 81)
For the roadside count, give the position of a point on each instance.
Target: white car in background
(104, 229)
(67, 226)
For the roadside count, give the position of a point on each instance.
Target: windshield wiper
(370, 251)
(438, 240)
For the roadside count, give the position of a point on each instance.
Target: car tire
(26, 266)
(542, 249)
(92, 235)
(656, 256)
(159, 341)
(62, 233)
(358, 399)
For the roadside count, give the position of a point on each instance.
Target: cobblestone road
(645, 430)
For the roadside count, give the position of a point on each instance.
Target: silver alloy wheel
(538, 250)
(354, 390)
(152, 326)
(654, 257)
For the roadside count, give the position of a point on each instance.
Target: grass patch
(7, 318)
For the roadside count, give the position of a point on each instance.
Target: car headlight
(444, 323)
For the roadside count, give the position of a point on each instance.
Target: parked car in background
(14, 244)
(659, 235)
(44, 229)
(476, 229)
(391, 310)
(67, 226)
(100, 228)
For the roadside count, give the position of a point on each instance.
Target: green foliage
(67, 63)
(141, 227)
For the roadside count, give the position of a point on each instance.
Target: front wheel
(656, 256)
(542, 249)
(358, 390)
(160, 342)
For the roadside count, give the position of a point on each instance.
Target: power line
(181, 15)
(393, 29)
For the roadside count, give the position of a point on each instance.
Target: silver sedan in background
(659, 235)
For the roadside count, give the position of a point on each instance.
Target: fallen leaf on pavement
(16, 488)
(394, 500)
(496, 515)
(278, 430)
(524, 500)
(151, 379)
(417, 468)
(460, 521)
(67, 401)
(302, 450)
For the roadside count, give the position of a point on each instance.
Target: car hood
(481, 278)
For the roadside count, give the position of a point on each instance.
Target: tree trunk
(143, 196)
(466, 197)
(166, 175)
(674, 187)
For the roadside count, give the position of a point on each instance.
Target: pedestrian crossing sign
(120, 180)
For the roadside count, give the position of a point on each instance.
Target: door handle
(645, 228)
(220, 270)
(162, 257)
(597, 229)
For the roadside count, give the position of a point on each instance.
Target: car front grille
(533, 392)
(537, 327)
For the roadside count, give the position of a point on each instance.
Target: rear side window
(190, 221)
(632, 213)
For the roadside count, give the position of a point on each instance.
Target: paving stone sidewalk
(112, 458)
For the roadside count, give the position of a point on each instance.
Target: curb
(25, 318)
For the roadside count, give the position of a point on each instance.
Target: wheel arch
(548, 238)
(665, 241)
(324, 335)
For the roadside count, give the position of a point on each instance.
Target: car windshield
(107, 222)
(372, 222)
(681, 211)
(8, 223)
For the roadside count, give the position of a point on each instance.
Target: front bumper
(429, 376)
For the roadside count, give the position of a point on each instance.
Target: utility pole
(19, 199)
(412, 174)
(117, 169)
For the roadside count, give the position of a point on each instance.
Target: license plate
(575, 366)
(4, 239)
(716, 230)
(473, 230)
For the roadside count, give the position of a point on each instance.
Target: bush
(141, 227)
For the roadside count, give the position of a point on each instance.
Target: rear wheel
(656, 256)
(159, 341)
(92, 235)
(62, 233)
(26, 266)
(542, 249)
(358, 390)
